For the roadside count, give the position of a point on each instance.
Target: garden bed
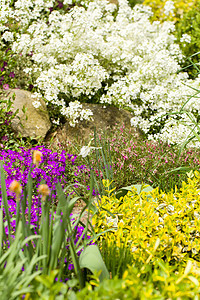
(114, 216)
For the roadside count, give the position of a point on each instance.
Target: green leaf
(180, 170)
(91, 259)
(139, 187)
(4, 202)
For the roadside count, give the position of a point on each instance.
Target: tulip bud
(44, 190)
(37, 157)
(15, 187)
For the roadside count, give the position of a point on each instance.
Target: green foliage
(135, 160)
(91, 259)
(13, 281)
(139, 188)
(158, 280)
(134, 2)
(191, 122)
(6, 116)
(8, 65)
(100, 157)
(117, 259)
(190, 24)
(46, 287)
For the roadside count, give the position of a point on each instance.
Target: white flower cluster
(185, 39)
(114, 54)
(180, 130)
(75, 111)
(169, 8)
(7, 36)
(36, 104)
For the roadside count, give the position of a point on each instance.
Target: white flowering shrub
(97, 51)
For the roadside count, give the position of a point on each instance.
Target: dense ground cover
(135, 160)
(93, 51)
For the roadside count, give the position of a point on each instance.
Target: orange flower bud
(15, 187)
(44, 190)
(37, 157)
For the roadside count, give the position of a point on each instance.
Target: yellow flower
(44, 190)
(15, 187)
(37, 157)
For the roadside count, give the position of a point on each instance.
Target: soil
(77, 210)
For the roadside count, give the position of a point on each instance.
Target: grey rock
(103, 119)
(35, 122)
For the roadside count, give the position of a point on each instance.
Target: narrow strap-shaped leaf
(1, 231)
(29, 192)
(4, 202)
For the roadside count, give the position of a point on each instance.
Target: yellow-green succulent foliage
(154, 225)
(158, 8)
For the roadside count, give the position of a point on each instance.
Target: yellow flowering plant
(163, 226)
(162, 13)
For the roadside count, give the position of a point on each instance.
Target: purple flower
(53, 169)
(1, 79)
(7, 122)
(12, 75)
(30, 87)
(9, 113)
(5, 138)
(60, 4)
(71, 267)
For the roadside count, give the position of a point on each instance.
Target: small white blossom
(114, 221)
(85, 151)
(169, 8)
(36, 104)
(186, 38)
(8, 36)
(56, 122)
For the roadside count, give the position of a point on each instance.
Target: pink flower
(6, 86)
